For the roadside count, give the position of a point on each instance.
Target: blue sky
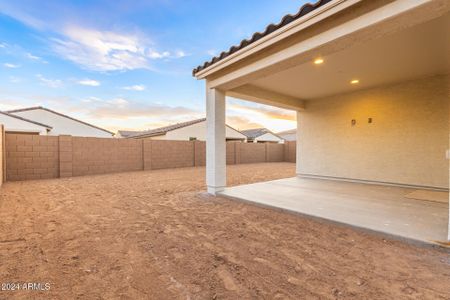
(127, 64)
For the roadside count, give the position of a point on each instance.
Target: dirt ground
(152, 235)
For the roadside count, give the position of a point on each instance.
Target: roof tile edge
(287, 19)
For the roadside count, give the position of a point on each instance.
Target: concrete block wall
(171, 154)
(231, 152)
(290, 151)
(65, 156)
(38, 157)
(147, 153)
(274, 152)
(252, 153)
(102, 155)
(200, 153)
(31, 157)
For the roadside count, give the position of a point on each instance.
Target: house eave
(308, 20)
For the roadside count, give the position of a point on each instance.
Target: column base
(213, 190)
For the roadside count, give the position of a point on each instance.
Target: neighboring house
(191, 130)
(16, 124)
(369, 82)
(261, 135)
(288, 135)
(60, 124)
(121, 134)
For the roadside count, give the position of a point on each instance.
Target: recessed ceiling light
(354, 81)
(318, 61)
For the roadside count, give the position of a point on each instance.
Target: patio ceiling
(417, 52)
(376, 42)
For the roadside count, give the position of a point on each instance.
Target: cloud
(53, 83)
(2, 45)
(8, 8)
(157, 55)
(31, 56)
(35, 58)
(89, 82)
(11, 66)
(107, 50)
(120, 108)
(267, 111)
(137, 87)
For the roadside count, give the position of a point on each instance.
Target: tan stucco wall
(405, 144)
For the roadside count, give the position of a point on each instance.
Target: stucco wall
(62, 125)
(16, 125)
(405, 144)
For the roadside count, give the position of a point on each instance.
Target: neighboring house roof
(304, 10)
(57, 113)
(127, 133)
(24, 119)
(289, 135)
(256, 132)
(165, 129)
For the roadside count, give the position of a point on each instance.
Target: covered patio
(369, 80)
(420, 215)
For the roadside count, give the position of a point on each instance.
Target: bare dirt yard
(152, 235)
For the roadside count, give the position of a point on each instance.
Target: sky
(128, 64)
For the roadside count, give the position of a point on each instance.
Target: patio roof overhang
(377, 42)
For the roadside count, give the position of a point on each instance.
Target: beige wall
(62, 125)
(171, 154)
(290, 151)
(12, 124)
(31, 157)
(252, 152)
(405, 144)
(36, 157)
(102, 155)
(274, 152)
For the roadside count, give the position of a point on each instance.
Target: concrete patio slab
(375, 207)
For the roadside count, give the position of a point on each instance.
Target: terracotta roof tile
(304, 10)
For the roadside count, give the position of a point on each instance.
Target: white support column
(215, 141)
(298, 147)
